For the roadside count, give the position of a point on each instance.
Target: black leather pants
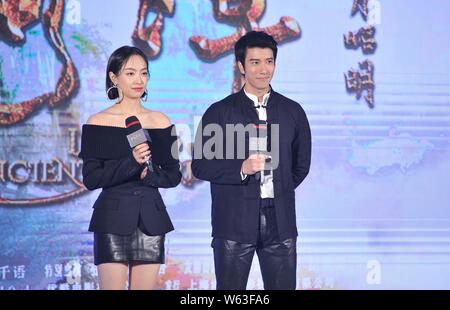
(277, 259)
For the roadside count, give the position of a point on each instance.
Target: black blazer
(108, 163)
(235, 203)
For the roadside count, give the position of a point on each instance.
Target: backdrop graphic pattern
(373, 81)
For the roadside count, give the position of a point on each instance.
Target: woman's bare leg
(143, 276)
(112, 276)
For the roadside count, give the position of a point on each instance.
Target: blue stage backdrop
(373, 77)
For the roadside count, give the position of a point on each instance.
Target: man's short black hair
(254, 39)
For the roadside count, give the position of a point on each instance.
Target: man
(253, 200)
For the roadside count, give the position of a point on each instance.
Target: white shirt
(266, 180)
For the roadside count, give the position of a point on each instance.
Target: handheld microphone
(136, 135)
(258, 144)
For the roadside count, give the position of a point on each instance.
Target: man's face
(259, 69)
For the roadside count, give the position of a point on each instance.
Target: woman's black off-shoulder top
(108, 160)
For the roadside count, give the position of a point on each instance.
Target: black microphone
(136, 135)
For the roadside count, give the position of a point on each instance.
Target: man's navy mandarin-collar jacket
(235, 203)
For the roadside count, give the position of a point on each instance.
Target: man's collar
(255, 100)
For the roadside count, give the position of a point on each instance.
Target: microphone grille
(132, 124)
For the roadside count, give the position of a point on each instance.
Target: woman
(129, 220)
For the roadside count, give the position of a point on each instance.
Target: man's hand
(253, 164)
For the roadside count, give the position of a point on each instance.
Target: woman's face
(133, 77)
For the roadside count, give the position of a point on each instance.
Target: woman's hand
(141, 153)
(144, 173)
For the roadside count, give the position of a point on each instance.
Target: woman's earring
(111, 88)
(144, 99)
(119, 93)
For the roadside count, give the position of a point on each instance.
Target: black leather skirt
(137, 247)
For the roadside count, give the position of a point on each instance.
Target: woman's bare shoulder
(154, 119)
(105, 118)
